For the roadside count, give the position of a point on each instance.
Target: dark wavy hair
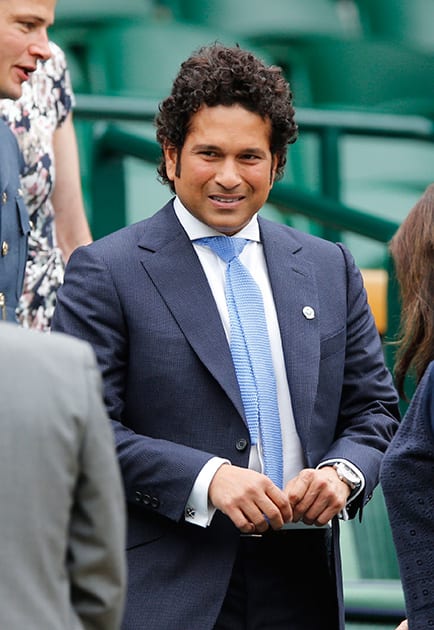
(220, 75)
(412, 250)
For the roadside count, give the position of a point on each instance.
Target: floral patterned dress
(45, 102)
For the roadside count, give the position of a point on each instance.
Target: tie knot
(226, 247)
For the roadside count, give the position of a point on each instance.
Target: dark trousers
(282, 581)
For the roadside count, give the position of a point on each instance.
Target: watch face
(351, 476)
(347, 475)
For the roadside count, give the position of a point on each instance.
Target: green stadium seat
(364, 73)
(85, 11)
(384, 176)
(143, 58)
(77, 21)
(253, 18)
(406, 22)
(274, 26)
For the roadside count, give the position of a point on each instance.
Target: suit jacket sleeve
(368, 407)
(96, 560)
(344, 402)
(158, 466)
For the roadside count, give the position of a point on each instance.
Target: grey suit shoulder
(62, 521)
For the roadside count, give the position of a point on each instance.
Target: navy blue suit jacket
(141, 298)
(14, 224)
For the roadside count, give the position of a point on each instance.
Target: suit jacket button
(146, 499)
(138, 496)
(241, 444)
(155, 503)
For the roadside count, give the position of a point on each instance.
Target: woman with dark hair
(407, 474)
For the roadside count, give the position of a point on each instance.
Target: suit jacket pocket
(333, 344)
(144, 527)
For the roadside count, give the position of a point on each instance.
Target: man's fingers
(249, 498)
(281, 507)
(317, 495)
(300, 493)
(266, 509)
(297, 487)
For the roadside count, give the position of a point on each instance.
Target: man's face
(226, 168)
(23, 41)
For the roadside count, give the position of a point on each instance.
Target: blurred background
(361, 72)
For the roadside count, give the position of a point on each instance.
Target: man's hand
(249, 499)
(403, 625)
(317, 495)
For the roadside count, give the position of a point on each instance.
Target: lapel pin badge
(308, 312)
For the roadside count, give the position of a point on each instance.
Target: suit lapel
(294, 288)
(173, 266)
(171, 262)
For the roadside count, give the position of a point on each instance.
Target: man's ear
(274, 164)
(171, 158)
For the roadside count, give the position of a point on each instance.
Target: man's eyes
(249, 157)
(28, 26)
(245, 157)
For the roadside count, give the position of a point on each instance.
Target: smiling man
(227, 166)
(23, 42)
(250, 403)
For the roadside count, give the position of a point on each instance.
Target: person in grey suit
(62, 521)
(214, 541)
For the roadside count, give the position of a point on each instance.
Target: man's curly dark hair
(220, 75)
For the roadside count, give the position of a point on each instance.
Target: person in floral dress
(42, 122)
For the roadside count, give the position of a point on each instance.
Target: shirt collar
(196, 229)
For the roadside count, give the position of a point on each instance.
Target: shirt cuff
(198, 510)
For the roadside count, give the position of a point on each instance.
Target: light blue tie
(251, 353)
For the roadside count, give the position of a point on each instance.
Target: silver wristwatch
(346, 474)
